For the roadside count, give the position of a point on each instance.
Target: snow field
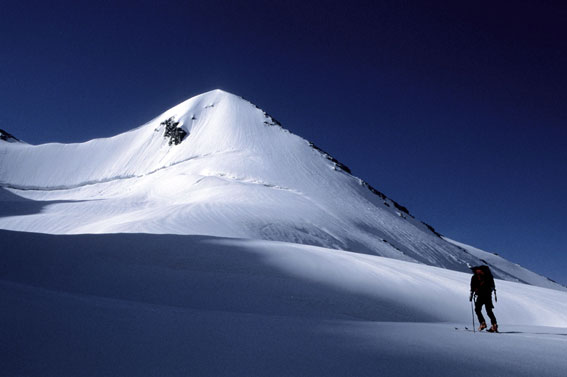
(142, 304)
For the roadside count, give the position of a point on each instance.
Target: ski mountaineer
(482, 285)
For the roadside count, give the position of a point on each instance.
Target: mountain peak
(232, 172)
(212, 123)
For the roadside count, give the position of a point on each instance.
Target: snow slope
(506, 269)
(237, 174)
(174, 305)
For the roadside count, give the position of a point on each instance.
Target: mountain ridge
(237, 173)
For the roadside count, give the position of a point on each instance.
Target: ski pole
(472, 311)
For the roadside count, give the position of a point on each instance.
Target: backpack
(487, 275)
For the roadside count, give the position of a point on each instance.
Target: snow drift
(174, 305)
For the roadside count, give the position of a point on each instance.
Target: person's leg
(490, 314)
(478, 310)
(489, 306)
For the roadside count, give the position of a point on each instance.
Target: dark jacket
(482, 285)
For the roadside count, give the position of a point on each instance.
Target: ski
(475, 331)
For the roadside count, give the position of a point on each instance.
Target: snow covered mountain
(186, 275)
(217, 165)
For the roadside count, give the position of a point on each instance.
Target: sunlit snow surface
(237, 174)
(142, 304)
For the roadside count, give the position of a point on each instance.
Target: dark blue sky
(457, 111)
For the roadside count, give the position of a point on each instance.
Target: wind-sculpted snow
(88, 183)
(237, 173)
(146, 305)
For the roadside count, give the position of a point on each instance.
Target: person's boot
(493, 328)
(482, 326)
